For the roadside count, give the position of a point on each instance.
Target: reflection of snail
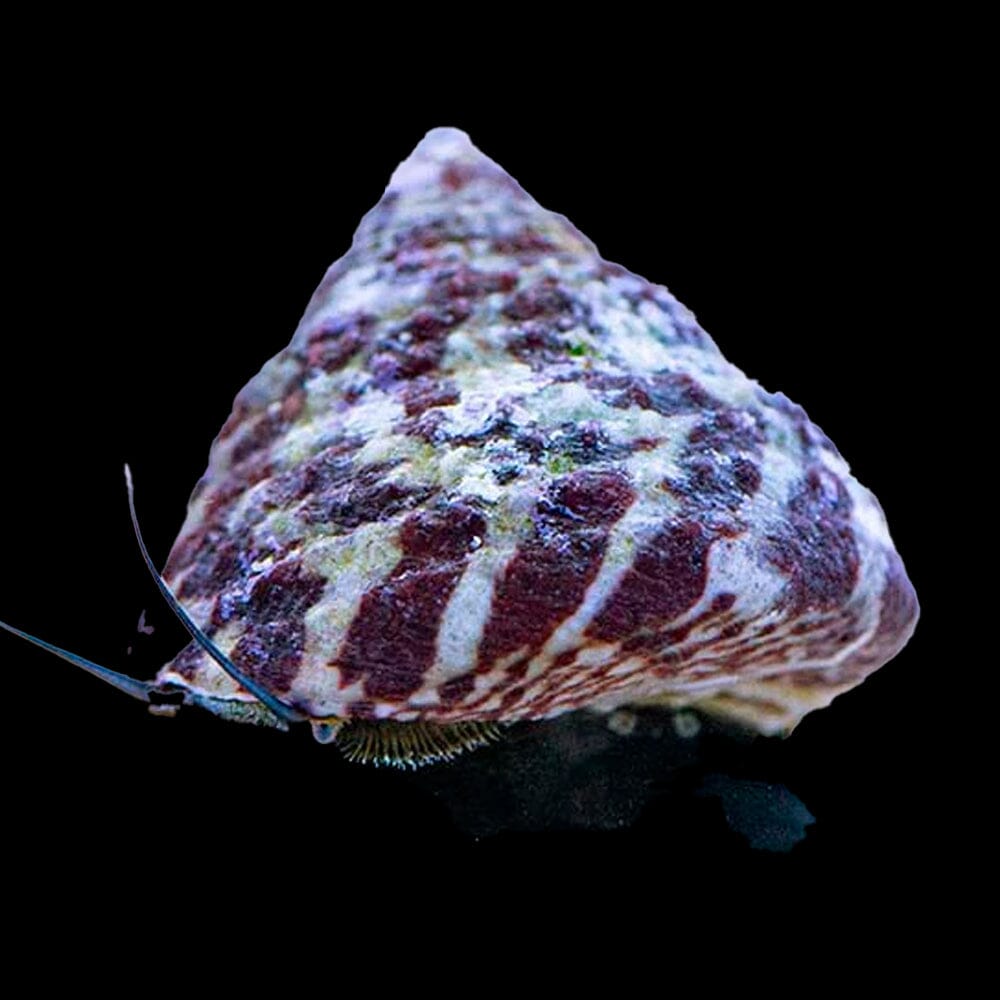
(495, 478)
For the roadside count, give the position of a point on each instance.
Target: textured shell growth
(494, 477)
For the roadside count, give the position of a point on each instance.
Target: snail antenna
(264, 696)
(131, 686)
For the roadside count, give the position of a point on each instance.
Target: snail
(496, 478)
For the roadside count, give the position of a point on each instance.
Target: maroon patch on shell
(424, 236)
(525, 244)
(331, 345)
(537, 346)
(470, 283)
(433, 325)
(448, 533)
(330, 468)
(215, 567)
(587, 442)
(455, 175)
(422, 394)
(667, 393)
(270, 650)
(512, 696)
(666, 579)
(429, 426)
(456, 689)
(215, 557)
(365, 497)
(261, 434)
(392, 640)
(332, 488)
(184, 552)
(271, 654)
(719, 471)
(235, 483)
(814, 546)
(548, 576)
(544, 301)
(542, 311)
(418, 347)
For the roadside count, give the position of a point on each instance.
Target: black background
(164, 238)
